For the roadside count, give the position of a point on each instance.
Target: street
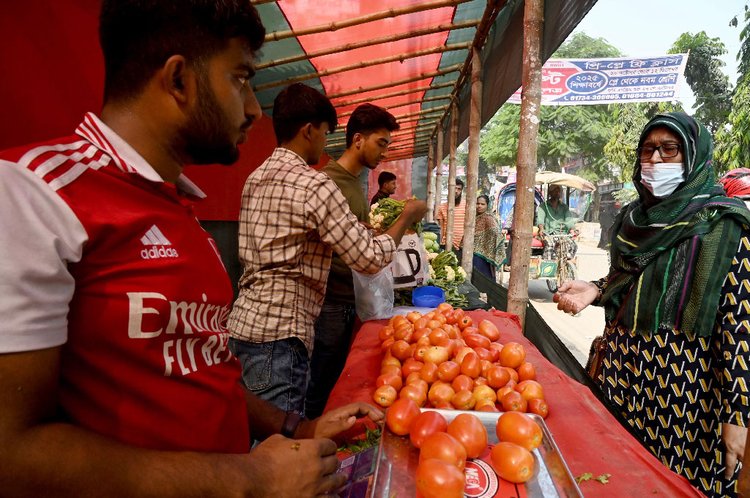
(576, 332)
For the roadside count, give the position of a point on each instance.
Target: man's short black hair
(297, 105)
(459, 182)
(138, 36)
(385, 177)
(368, 118)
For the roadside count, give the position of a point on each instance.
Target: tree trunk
(438, 168)
(453, 138)
(523, 215)
(430, 185)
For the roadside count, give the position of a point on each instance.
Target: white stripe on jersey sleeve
(39, 236)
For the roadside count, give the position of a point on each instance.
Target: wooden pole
(368, 43)
(430, 183)
(523, 213)
(472, 166)
(356, 21)
(438, 169)
(452, 139)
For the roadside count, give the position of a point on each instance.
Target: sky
(640, 28)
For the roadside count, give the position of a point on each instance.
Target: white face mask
(661, 181)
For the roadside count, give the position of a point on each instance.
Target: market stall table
(589, 437)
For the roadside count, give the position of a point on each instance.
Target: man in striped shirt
(292, 220)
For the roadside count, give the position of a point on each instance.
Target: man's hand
(337, 421)
(574, 296)
(414, 210)
(292, 468)
(733, 437)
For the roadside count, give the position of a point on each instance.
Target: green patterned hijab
(670, 256)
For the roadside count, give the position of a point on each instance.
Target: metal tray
(397, 464)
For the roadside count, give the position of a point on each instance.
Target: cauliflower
(450, 275)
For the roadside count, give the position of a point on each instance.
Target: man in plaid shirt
(293, 218)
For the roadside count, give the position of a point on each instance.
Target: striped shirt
(292, 219)
(459, 217)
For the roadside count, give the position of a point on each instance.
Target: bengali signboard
(607, 81)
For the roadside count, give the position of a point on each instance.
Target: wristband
(600, 285)
(291, 422)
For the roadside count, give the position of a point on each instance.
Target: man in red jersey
(115, 377)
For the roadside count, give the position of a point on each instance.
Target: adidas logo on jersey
(157, 245)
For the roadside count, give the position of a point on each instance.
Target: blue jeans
(333, 335)
(275, 371)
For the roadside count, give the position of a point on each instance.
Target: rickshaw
(559, 264)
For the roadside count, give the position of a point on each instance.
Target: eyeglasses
(666, 151)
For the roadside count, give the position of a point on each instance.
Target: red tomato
(530, 389)
(400, 415)
(384, 395)
(485, 405)
(448, 370)
(484, 354)
(463, 400)
(495, 349)
(411, 365)
(518, 428)
(440, 394)
(429, 372)
(471, 365)
(385, 333)
(386, 346)
(484, 392)
(445, 447)
(463, 383)
(413, 316)
(426, 424)
(464, 321)
(489, 330)
(512, 462)
(439, 337)
(497, 377)
(476, 341)
(390, 379)
(470, 432)
(414, 393)
(526, 371)
(438, 479)
(539, 407)
(390, 369)
(419, 333)
(513, 402)
(444, 308)
(512, 355)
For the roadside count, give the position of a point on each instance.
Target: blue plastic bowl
(428, 296)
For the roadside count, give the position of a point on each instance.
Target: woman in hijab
(489, 246)
(675, 352)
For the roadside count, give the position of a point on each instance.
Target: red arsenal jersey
(103, 257)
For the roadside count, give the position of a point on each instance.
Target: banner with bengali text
(607, 81)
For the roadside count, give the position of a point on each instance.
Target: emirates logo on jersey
(157, 245)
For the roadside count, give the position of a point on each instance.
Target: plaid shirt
(293, 217)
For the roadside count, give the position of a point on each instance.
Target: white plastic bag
(373, 294)
(410, 265)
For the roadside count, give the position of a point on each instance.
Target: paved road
(576, 332)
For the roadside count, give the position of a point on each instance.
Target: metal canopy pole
(472, 166)
(523, 213)
(452, 139)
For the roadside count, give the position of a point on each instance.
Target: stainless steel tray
(397, 462)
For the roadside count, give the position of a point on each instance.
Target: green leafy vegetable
(371, 438)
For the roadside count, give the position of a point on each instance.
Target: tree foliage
(706, 78)
(733, 139)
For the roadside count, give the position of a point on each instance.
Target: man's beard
(457, 200)
(206, 140)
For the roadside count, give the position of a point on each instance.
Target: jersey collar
(124, 156)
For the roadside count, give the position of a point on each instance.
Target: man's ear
(177, 79)
(307, 131)
(358, 139)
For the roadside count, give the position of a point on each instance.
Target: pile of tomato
(440, 359)
(444, 447)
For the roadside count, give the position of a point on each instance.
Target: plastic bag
(373, 294)
(410, 265)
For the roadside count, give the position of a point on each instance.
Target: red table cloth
(589, 437)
